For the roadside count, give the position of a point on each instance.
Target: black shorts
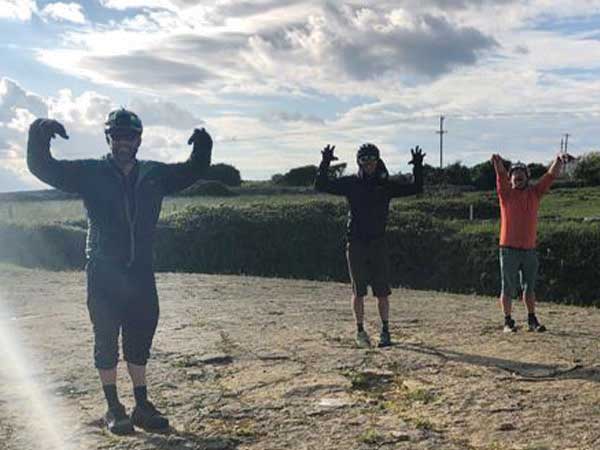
(368, 264)
(121, 300)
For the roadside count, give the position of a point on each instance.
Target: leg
(104, 311)
(383, 306)
(358, 271)
(509, 266)
(138, 333)
(358, 309)
(528, 279)
(380, 269)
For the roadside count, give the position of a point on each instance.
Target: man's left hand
(417, 156)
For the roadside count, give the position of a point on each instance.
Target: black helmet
(122, 120)
(519, 166)
(367, 151)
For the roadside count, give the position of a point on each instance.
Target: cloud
(17, 9)
(164, 113)
(147, 69)
(284, 116)
(13, 96)
(68, 12)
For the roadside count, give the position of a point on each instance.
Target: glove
(201, 140)
(45, 129)
(417, 156)
(327, 154)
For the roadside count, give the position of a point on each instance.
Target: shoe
(510, 326)
(149, 418)
(535, 325)
(117, 421)
(384, 339)
(362, 339)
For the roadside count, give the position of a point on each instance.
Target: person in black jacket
(123, 198)
(369, 194)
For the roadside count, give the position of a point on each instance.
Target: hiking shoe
(384, 339)
(535, 325)
(510, 326)
(149, 418)
(362, 339)
(117, 421)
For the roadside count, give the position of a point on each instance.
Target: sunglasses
(367, 158)
(123, 136)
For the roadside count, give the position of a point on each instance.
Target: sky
(274, 81)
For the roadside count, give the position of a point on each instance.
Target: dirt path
(249, 363)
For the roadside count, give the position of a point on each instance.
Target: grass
(371, 436)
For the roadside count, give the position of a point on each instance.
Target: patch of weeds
(423, 424)
(536, 447)
(371, 436)
(420, 395)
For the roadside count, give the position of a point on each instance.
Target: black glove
(417, 156)
(327, 154)
(45, 129)
(201, 140)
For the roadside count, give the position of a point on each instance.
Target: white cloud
(68, 12)
(17, 9)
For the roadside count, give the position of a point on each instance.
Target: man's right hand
(46, 129)
(327, 154)
(201, 139)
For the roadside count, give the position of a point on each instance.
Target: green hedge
(307, 241)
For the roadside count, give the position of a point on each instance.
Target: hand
(417, 156)
(327, 154)
(200, 139)
(47, 129)
(566, 158)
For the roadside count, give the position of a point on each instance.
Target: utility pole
(441, 132)
(566, 141)
(562, 145)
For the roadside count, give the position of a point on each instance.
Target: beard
(124, 153)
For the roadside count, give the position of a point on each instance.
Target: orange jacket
(518, 211)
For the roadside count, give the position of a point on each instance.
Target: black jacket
(117, 230)
(368, 198)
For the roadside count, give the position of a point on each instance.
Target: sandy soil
(250, 363)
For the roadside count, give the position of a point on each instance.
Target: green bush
(429, 248)
(209, 189)
(588, 169)
(224, 173)
(299, 176)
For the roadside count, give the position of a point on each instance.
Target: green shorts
(368, 265)
(518, 268)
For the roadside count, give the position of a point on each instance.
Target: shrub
(588, 169)
(224, 173)
(209, 189)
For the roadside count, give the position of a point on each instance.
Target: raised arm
(323, 183)
(502, 182)
(178, 176)
(68, 176)
(397, 189)
(548, 178)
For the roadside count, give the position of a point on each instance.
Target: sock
(507, 319)
(385, 326)
(110, 393)
(141, 395)
(360, 327)
(531, 317)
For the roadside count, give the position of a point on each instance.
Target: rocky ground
(252, 363)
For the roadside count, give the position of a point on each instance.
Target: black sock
(141, 395)
(508, 320)
(531, 317)
(110, 393)
(359, 327)
(385, 326)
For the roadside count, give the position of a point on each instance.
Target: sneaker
(149, 418)
(535, 325)
(510, 326)
(362, 339)
(117, 421)
(384, 339)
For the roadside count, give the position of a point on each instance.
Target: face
(368, 164)
(518, 179)
(124, 146)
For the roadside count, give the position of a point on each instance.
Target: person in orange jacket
(519, 204)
